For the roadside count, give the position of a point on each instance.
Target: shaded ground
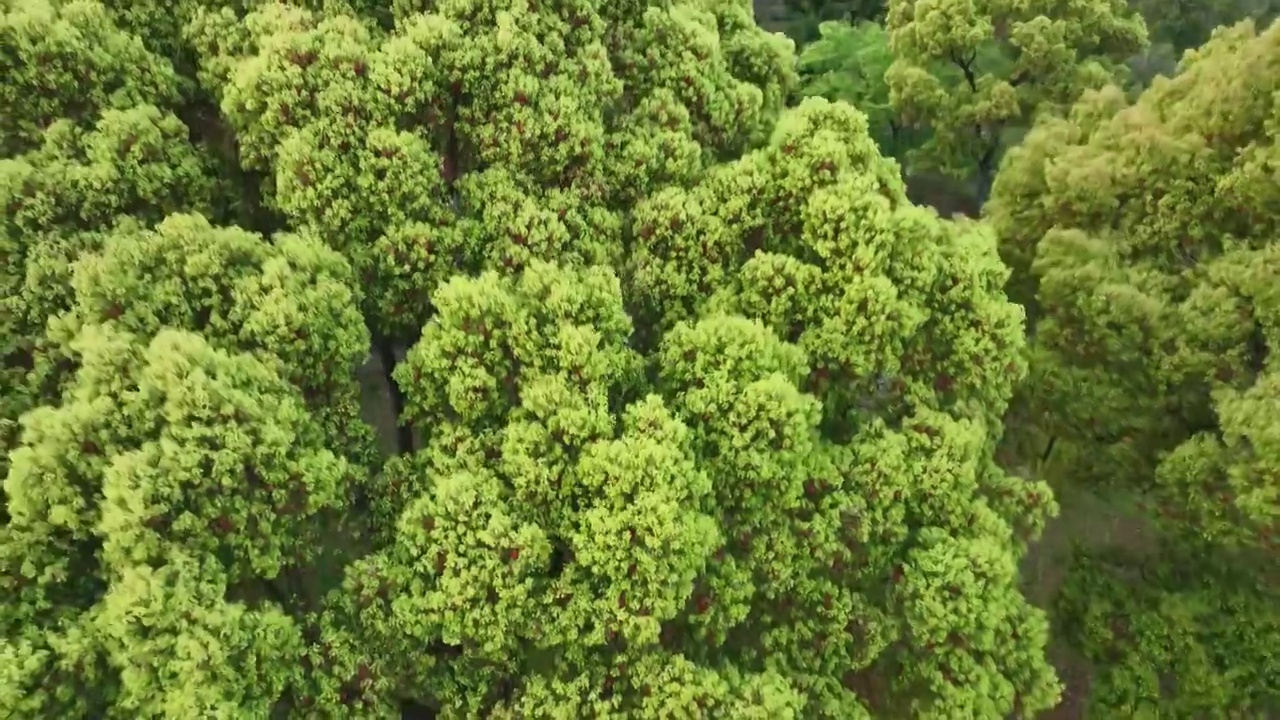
(377, 407)
(375, 403)
(1087, 519)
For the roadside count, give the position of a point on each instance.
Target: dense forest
(683, 359)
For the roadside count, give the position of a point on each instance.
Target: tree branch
(1048, 450)
(966, 67)
(986, 166)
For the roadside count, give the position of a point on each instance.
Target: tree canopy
(971, 72)
(571, 358)
(1145, 234)
(699, 411)
(950, 85)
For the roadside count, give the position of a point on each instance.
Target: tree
(848, 63)
(803, 19)
(975, 73)
(1147, 230)
(742, 514)
(141, 449)
(699, 410)
(173, 483)
(74, 181)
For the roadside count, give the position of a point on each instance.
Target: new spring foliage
(705, 406)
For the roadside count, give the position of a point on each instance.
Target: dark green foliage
(803, 19)
(848, 63)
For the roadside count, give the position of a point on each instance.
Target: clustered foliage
(970, 72)
(949, 85)
(1145, 232)
(90, 142)
(848, 63)
(697, 413)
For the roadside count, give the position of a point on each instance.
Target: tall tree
(1148, 230)
(703, 409)
(751, 515)
(973, 73)
(89, 138)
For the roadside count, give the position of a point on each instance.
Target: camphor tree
(1147, 231)
(848, 63)
(974, 72)
(702, 409)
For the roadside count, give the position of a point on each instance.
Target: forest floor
(376, 405)
(1089, 520)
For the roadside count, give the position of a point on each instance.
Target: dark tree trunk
(387, 356)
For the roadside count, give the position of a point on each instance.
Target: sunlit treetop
(813, 236)
(60, 199)
(791, 511)
(513, 130)
(89, 139)
(292, 299)
(175, 481)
